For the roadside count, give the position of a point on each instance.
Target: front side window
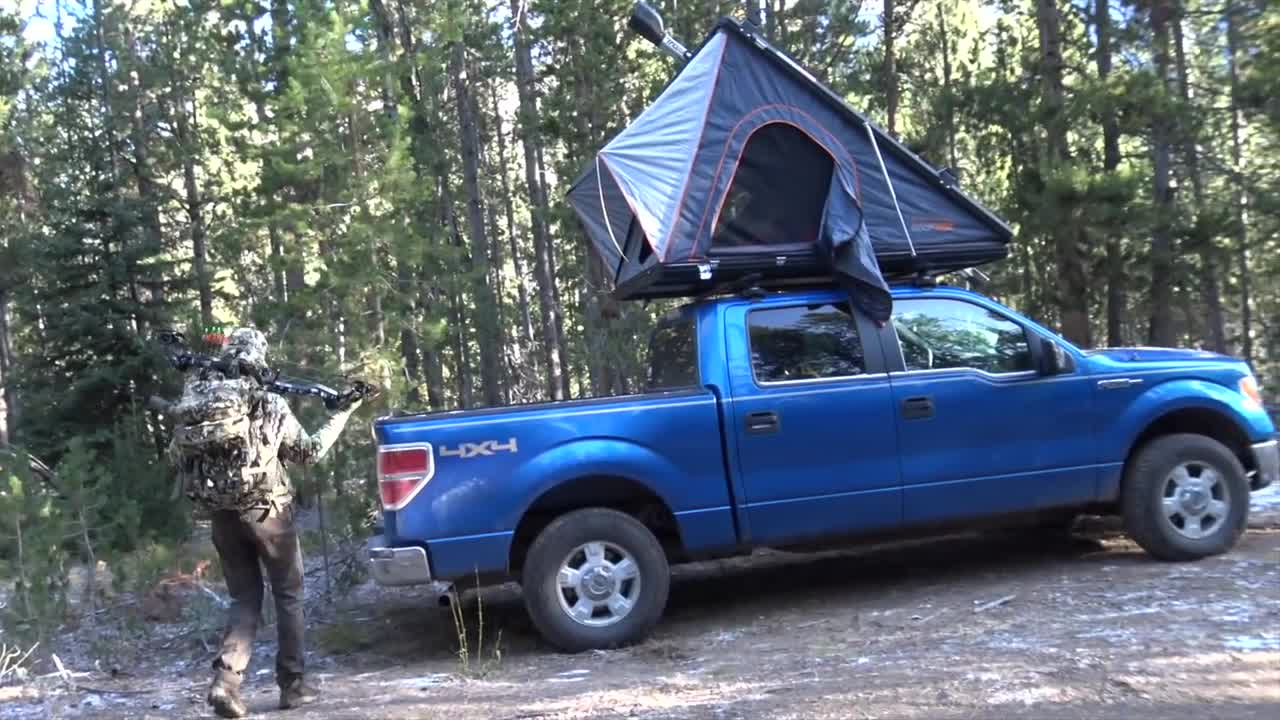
(673, 355)
(940, 334)
(806, 342)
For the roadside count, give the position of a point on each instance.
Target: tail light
(403, 470)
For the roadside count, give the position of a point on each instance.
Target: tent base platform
(794, 270)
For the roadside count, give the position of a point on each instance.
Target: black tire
(541, 584)
(1146, 483)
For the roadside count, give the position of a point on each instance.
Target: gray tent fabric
(652, 158)
(745, 166)
(849, 253)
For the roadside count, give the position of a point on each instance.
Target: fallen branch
(12, 660)
(68, 677)
(104, 691)
(62, 673)
(221, 601)
(995, 603)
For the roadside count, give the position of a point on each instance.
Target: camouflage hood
(247, 344)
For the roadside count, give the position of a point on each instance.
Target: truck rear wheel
(595, 579)
(1185, 497)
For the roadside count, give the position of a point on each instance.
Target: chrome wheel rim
(1195, 501)
(598, 584)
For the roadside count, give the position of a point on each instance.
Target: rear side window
(673, 356)
(810, 342)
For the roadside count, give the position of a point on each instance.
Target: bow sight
(183, 359)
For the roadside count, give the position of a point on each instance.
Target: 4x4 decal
(484, 447)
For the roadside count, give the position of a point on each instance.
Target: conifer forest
(379, 185)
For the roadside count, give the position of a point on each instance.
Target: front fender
(1118, 436)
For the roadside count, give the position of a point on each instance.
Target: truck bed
(495, 463)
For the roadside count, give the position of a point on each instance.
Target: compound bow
(183, 359)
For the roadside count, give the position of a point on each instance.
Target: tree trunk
(517, 261)
(550, 323)
(462, 352)
(1202, 238)
(562, 338)
(890, 68)
(508, 348)
(146, 188)
(1161, 332)
(485, 303)
(948, 94)
(277, 266)
(508, 352)
(1240, 202)
(1067, 232)
(752, 8)
(295, 277)
(431, 352)
(104, 77)
(377, 316)
(6, 372)
(1116, 301)
(194, 205)
(408, 337)
(420, 362)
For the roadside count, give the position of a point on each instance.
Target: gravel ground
(960, 627)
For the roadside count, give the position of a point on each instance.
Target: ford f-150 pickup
(788, 419)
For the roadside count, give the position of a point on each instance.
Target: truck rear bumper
(1267, 457)
(396, 566)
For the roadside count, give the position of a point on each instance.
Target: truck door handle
(917, 408)
(1118, 383)
(763, 423)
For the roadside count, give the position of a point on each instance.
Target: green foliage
(33, 554)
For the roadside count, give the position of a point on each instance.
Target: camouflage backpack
(219, 456)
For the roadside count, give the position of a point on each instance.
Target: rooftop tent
(747, 165)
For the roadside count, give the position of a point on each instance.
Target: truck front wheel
(1185, 497)
(595, 579)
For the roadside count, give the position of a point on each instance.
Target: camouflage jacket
(278, 438)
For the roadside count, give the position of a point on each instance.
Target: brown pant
(243, 540)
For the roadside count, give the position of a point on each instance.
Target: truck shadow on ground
(713, 594)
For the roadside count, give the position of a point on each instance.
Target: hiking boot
(226, 701)
(297, 693)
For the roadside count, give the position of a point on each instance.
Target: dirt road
(979, 626)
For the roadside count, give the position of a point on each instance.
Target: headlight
(1249, 389)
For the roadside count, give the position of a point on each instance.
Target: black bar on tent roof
(796, 70)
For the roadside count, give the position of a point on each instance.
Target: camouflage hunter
(231, 443)
(232, 436)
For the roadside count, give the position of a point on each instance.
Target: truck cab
(791, 419)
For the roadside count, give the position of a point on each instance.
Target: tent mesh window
(776, 196)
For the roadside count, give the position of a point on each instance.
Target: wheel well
(617, 493)
(1200, 421)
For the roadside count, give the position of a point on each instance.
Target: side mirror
(1053, 359)
(647, 23)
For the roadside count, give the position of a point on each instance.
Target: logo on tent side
(934, 224)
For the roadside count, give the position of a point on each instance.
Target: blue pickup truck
(789, 419)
